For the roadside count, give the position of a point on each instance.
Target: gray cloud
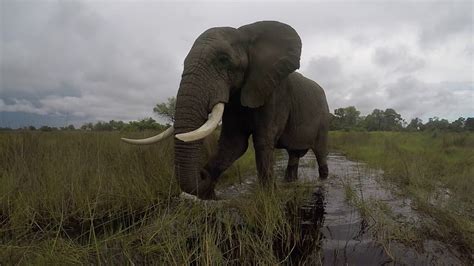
(415, 98)
(397, 59)
(453, 19)
(116, 60)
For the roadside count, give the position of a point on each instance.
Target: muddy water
(336, 232)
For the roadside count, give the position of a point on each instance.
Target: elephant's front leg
(264, 159)
(230, 148)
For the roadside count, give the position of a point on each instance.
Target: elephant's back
(307, 92)
(309, 112)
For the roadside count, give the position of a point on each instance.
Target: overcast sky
(77, 61)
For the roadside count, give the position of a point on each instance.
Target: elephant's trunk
(191, 112)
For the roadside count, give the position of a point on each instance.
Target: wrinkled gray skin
(251, 70)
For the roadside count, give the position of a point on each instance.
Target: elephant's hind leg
(320, 150)
(291, 173)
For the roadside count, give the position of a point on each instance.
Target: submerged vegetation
(435, 169)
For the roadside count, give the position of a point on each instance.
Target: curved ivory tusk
(207, 128)
(151, 140)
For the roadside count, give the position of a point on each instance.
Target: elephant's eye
(224, 61)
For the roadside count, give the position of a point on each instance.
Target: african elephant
(247, 78)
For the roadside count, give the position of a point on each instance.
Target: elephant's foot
(209, 195)
(323, 172)
(207, 192)
(267, 182)
(291, 173)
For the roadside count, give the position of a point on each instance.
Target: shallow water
(335, 233)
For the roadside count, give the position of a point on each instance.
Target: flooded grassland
(82, 197)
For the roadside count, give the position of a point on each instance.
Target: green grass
(86, 197)
(435, 169)
(384, 225)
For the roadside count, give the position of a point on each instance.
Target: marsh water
(335, 232)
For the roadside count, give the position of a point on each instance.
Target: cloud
(397, 59)
(101, 60)
(453, 20)
(71, 61)
(415, 98)
(20, 105)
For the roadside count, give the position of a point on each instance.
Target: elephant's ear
(274, 51)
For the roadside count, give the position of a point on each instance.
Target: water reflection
(306, 221)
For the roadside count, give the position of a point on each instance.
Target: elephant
(245, 77)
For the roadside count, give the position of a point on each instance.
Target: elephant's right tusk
(207, 128)
(163, 135)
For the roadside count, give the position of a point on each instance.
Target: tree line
(164, 110)
(138, 125)
(349, 118)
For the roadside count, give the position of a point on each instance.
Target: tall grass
(85, 197)
(436, 169)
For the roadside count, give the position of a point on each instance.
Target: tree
(374, 120)
(415, 124)
(87, 126)
(166, 110)
(469, 124)
(345, 118)
(435, 123)
(47, 128)
(146, 123)
(393, 121)
(457, 125)
(116, 125)
(102, 126)
(388, 120)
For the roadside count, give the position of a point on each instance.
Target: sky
(71, 62)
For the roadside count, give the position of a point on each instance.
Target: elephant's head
(250, 60)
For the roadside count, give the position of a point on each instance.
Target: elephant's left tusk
(151, 140)
(207, 128)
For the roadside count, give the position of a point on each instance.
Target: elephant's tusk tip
(184, 138)
(168, 132)
(188, 196)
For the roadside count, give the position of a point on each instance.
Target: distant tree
(166, 110)
(457, 125)
(374, 121)
(47, 128)
(345, 118)
(102, 126)
(116, 125)
(31, 128)
(393, 121)
(69, 127)
(435, 123)
(87, 126)
(333, 123)
(469, 124)
(146, 123)
(388, 120)
(416, 124)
